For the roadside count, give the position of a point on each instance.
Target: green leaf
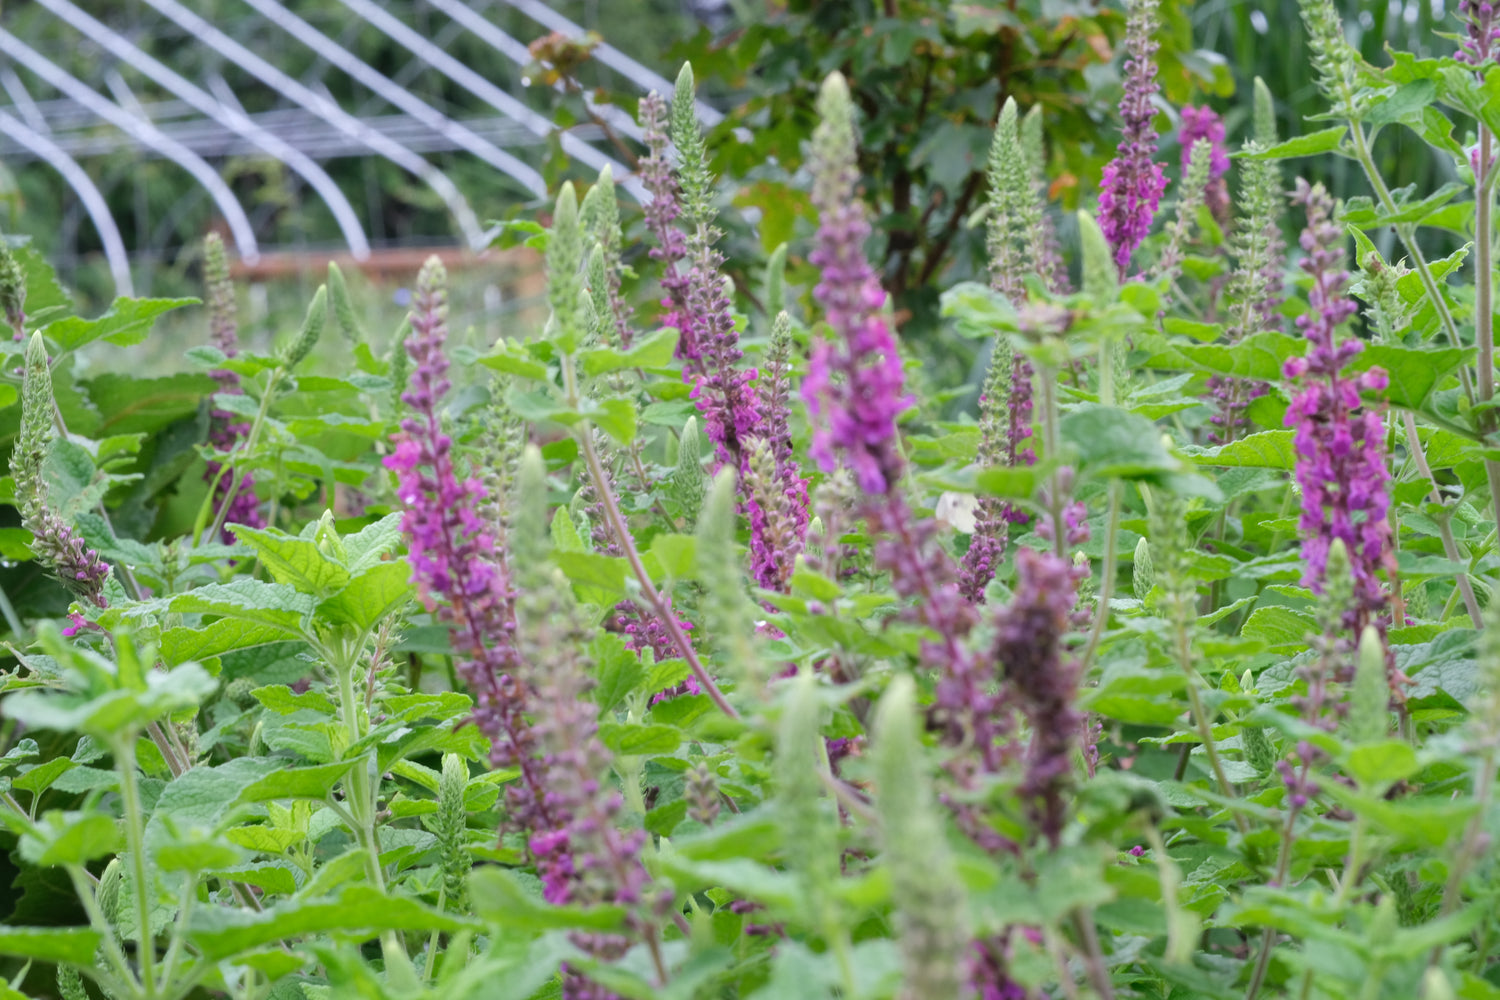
(1382, 764)
(1279, 628)
(512, 362)
(371, 544)
(372, 595)
(676, 555)
(129, 404)
(600, 579)
(179, 645)
(75, 945)
(509, 899)
(126, 323)
(359, 912)
(653, 352)
(284, 701)
(1266, 450)
(1113, 443)
(71, 838)
(315, 783)
(1414, 372)
(628, 740)
(1328, 140)
(297, 562)
(40, 778)
(206, 798)
(275, 605)
(618, 671)
(565, 537)
(1259, 356)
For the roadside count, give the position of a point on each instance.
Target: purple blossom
(1341, 463)
(731, 414)
(1131, 189)
(58, 545)
(1204, 123)
(1001, 443)
(661, 219)
(854, 385)
(225, 429)
(643, 630)
(455, 568)
(1481, 39)
(778, 507)
(1041, 678)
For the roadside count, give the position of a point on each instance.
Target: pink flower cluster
(1341, 461)
(1131, 189)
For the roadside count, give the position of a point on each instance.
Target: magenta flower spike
(661, 219)
(1131, 189)
(226, 430)
(1480, 43)
(854, 415)
(455, 569)
(1341, 461)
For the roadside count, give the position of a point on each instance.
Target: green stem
(83, 888)
(1283, 863)
(135, 839)
(1354, 863)
(238, 480)
(1474, 836)
(1107, 582)
(1445, 526)
(179, 932)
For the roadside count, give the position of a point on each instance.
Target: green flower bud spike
(451, 828)
(1101, 279)
(1143, 573)
(692, 155)
(1369, 718)
(688, 484)
(775, 290)
(12, 290)
(343, 305)
(312, 331)
(564, 274)
(930, 897)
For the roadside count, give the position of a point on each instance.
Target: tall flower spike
(997, 447)
(930, 897)
(225, 429)
(1131, 188)
(601, 218)
(1341, 461)
(1481, 40)
(783, 496)
(55, 543)
(661, 219)
(1190, 197)
(1014, 238)
(855, 415)
(454, 566)
(1054, 269)
(1204, 123)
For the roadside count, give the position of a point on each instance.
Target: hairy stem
(135, 839)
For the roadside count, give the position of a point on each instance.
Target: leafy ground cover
(672, 651)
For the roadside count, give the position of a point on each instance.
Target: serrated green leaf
(275, 605)
(1328, 140)
(372, 595)
(629, 740)
(1266, 450)
(75, 945)
(315, 782)
(296, 562)
(654, 351)
(126, 323)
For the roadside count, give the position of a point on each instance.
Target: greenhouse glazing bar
(229, 117)
(330, 112)
(93, 200)
(144, 132)
(398, 96)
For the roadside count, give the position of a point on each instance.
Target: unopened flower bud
(312, 328)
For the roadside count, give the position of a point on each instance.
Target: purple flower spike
(855, 414)
(661, 219)
(226, 430)
(1341, 462)
(1132, 186)
(454, 564)
(1480, 43)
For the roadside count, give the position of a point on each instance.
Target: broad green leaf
(1259, 356)
(357, 913)
(507, 898)
(371, 544)
(315, 783)
(276, 605)
(600, 579)
(129, 404)
(1328, 140)
(206, 798)
(1382, 764)
(75, 945)
(107, 716)
(676, 555)
(618, 671)
(283, 700)
(1266, 450)
(71, 838)
(126, 323)
(40, 778)
(179, 645)
(627, 740)
(1279, 628)
(372, 595)
(654, 351)
(1414, 373)
(297, 562)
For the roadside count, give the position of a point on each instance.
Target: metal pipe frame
(610, 56)
(93, 201)
(143, 131)
(471, 20)
(229, 117)
(330, 112)
(483, 89)
(398, 96)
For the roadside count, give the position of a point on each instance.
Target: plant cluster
(704, 658)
